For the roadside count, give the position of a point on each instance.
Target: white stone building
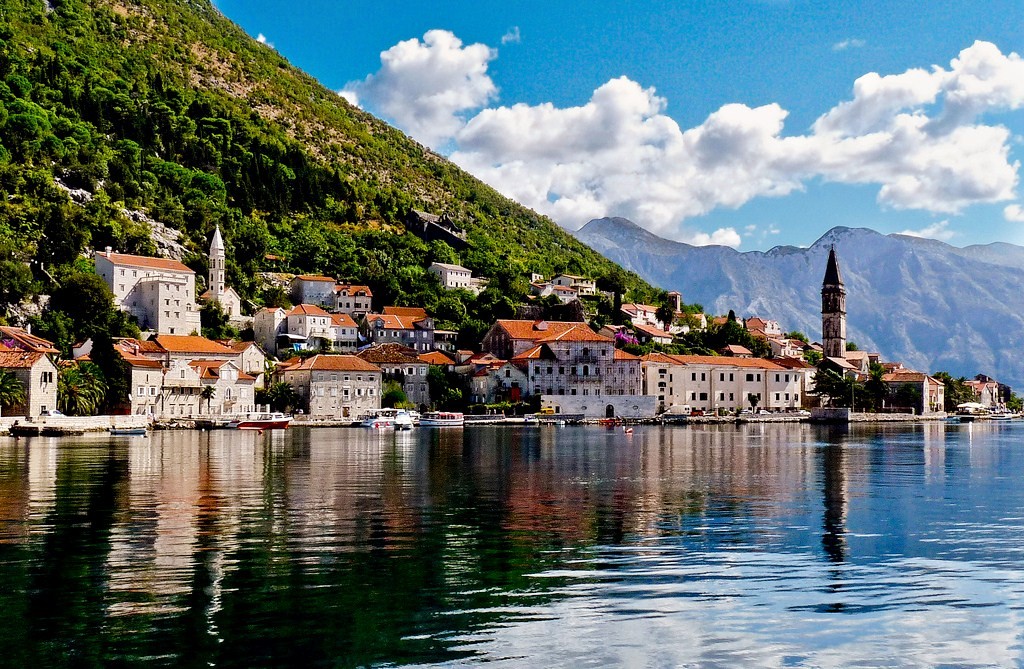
(582, 285)
(356, 301)
(709, 383)
(38, 376)
(158, 292)
(312, 289)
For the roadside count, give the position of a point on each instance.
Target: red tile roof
(343, 321)
(146, 261)
(414, 312)
(334, 363)
(190, 344)
(534, 330)
(578, 332)
(314, 277)
(307, 310)
(651, 330)
(718, 360)
(352, 289)
(392, 322)
(623, 355)
(19, 359)
(389, 354)
(436, 358)
(17, 338)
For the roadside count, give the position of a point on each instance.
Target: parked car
(50, 412)
(745, 412)
(764, 412)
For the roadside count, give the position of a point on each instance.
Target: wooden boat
(442, 419)
(128, 432)
(263, 421)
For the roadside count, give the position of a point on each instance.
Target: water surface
(760, 545)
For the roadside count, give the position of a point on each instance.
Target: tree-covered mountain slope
(168, 111)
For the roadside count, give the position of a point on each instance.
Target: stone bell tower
(217, 261)
(833, 310)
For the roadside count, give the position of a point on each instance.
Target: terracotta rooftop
(414, 312)
(578, 332)
(190, 344)
(334, 363)
(307, 310)
(392, 322)
(651, 330)
(19, 359)
(352, 289)
(343, 321)
(314, 277)
(147, 262)
(210, 369)
(17, 338)
(623, 355)
(131, 351)
(389, 354)
(436, 358)
(718, 360)
(905, 376)
(534, 330)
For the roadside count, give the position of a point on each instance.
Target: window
(777, 397)
(704, 396)
(777, 379)
(703, 377)
(731, 398)
(693, 396)
(750, 377)
(721, 377)
(693, 376)
(721, 397)
(730, 377)
(142, 391)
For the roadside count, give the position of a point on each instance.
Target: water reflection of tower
(833, 537)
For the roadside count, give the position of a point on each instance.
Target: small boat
(128, 432)
(443, 419)
(1002, 415)
(627, 430)
(383, 418)
(403, 421)
(263, 421)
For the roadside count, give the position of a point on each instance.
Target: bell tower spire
(217, 260)
(833, 309)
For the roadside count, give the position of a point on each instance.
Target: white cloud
(262, 39)
(512, 36)
(915, 135)
(850, 43)
(940, 231)
(424, 86)
(1014, 213)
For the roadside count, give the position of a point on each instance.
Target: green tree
(796, 334)
(208, 393)
(813, 357)
(875, 389)
(393, 395)
(754, 399)
(214, 322)
(852, 346)
(665, 313)
(446, 390)
(81, 389)
(956, 390)
(12, 391)
(837, 390)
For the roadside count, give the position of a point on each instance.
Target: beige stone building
(354, 300)
(158, 292)
(709, 383)
(335, 386)
(38, 376)
(402, 364)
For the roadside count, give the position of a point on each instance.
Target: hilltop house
(457, 276)
(356, 301)
(312, 289)
(158, 292)
(582, 286)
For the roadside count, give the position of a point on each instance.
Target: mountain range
(926, 303)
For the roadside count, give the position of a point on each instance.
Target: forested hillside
(168, 111)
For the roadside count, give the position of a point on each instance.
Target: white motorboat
(387, 418)
(442, 419)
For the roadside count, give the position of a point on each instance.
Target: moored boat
(443, 419)
(263, 421)
(128, 432)
(386, 418)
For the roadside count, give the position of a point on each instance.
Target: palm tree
(12, 391)
(208, 393)
(80, 389)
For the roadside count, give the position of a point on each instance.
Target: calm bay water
(761, 545)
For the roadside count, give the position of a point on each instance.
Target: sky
(751, 123)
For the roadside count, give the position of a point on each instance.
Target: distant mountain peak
(920, 301)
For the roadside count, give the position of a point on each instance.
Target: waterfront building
(146, 377)
(833, 309)
(710, 383)
(158, 292)
(578, 361)
(499, 381)
(251, 358)
(334, 386)
(37, 373)
(929, 393)
(402, 364)
(508, 338)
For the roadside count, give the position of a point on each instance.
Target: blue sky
(707, 122)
